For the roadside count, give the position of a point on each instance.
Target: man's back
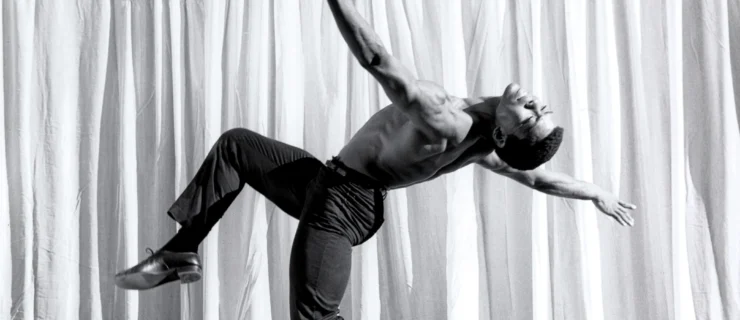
(398, 152)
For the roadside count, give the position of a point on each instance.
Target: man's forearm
(360, 37)
(564, 186)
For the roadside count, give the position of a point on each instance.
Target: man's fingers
(629, 219)
(625, 216)
(618, 220)
(618, 217)
(627, 205)
(626, 220)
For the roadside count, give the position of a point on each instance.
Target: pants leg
(320, 264)
(277, 170)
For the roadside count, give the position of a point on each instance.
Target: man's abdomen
(398, 154)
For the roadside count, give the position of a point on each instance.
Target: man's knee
(233, 133)
(243, 138)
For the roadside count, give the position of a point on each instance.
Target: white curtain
(109, 106)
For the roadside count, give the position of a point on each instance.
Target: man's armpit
(494, 163)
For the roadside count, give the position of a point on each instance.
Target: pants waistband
(336, 165)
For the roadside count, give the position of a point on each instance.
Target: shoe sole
(144, 281)
(189, 274)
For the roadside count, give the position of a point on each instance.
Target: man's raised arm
(425, 105)
(398, 82)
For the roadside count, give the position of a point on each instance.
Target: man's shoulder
(427, 84)
(431, 92)
(436, 90)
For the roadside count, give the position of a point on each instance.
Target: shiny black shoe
(160, 268)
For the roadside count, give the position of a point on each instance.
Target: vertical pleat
(127, 210)
(589, 298)
(94, 49)
(712, 154)
(21, 139)
(604, 106)
(6, 269)
(683, 307)
(541, 282)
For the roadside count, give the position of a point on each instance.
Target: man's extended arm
(562, 185)
(556, 184)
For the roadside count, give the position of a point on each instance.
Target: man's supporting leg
(320, 264)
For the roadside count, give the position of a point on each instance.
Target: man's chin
(512, 90)
(543, 129)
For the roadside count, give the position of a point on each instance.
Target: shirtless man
(423, 134)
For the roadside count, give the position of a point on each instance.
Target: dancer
(423, 134)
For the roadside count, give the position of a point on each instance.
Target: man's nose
(537, 108)
(532, 103)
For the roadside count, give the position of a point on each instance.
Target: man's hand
(615, 208)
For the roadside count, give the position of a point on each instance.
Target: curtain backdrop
(109, 106)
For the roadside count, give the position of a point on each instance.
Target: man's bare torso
(393, 150)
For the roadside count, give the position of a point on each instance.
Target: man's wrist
(597, 193)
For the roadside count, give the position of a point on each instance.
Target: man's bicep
(399, 84)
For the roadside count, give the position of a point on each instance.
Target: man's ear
(499, 137)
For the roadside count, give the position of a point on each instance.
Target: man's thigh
(286, 185)
(320, 265)
(279, 171)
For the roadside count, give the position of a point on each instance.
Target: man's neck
(485, 105)
(483, 112)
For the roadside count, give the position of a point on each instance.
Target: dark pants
(338, 208)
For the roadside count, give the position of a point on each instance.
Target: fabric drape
(108, 107)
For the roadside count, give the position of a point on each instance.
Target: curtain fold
(108, 107)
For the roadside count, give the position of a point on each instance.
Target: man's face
(523, 115)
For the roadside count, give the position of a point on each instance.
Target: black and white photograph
(370, 160)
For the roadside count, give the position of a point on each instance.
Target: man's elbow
(373, 56)
(373, 59)
(542, 188)
(539, 184)
(370, 61)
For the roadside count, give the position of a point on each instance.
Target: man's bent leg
(278, 171)
(320, 264)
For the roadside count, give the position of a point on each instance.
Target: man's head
(525, 134)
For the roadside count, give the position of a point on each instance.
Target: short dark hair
(526, 155)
